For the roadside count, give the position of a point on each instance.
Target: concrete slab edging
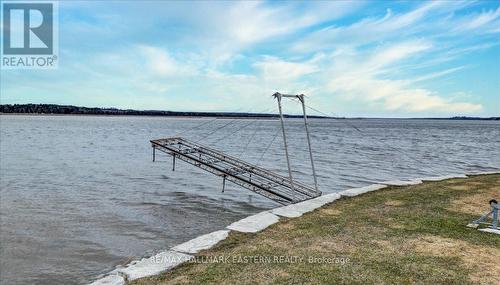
(202, 242)
(181, 253)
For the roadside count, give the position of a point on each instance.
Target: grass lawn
(397, 235)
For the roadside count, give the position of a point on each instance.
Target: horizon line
(170, 113)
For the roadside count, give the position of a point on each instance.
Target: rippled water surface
(80, 194)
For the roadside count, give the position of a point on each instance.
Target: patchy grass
(398, 235)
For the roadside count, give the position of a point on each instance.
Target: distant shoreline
(145, 116)
(270, 117)
(65, 110)
(69, 110)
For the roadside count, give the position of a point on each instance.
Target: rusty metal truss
(254, 178)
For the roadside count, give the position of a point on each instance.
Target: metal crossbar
(259, 180)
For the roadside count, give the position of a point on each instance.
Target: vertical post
(494, 224)
(173, 162)
(278, 97)
(223, 183)
(154, 154)
(301, 98)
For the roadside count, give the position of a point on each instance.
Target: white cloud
(248, 22)
(437, 74)
(431, 19)
(390, 55)
(394, 95)
(364, 83)
(162, 64)
(366, 30)
(273, 68)
(486, 21)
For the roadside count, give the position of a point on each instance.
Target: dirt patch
(475, 183)
(482, 260)
(463, 187)
(288, 226)
(386, 246)
(476, 204)
(180, 280)
(330, 246)
(331, 211)
(396, 226)
(468, 186)
(395, 203)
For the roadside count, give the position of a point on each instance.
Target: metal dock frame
(259, 180)
(301, 99)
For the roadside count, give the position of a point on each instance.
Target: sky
(359, 58)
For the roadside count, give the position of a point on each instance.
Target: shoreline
(249, 117)
(187, 251)
(139, 116)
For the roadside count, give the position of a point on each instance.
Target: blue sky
(380, 58)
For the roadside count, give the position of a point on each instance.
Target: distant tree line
(474, 118)
(462, 118)
(75, 110)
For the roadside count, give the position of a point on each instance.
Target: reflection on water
(80, 195)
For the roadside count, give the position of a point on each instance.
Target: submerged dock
(254, 178)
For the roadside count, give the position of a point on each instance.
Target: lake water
(80, 194)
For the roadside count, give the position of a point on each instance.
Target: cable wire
(243, 151)
(252, 121)
(359, 130)
(258, 162)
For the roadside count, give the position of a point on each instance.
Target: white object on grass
(444, 177)
(202, 242)
(487, 230)
(402, 182)
(485, 173)
(358, 191)
(154, 265)
(255, 223)
(113, 279)
(297, 210)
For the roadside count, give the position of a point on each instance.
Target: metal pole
(301, 98)
(494, 224)
(278, 97)
(154, 154)
(223, 183)
(173, 162)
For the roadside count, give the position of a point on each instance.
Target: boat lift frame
(300, 97)
(257, 179)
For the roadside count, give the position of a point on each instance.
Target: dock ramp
(254, 178)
